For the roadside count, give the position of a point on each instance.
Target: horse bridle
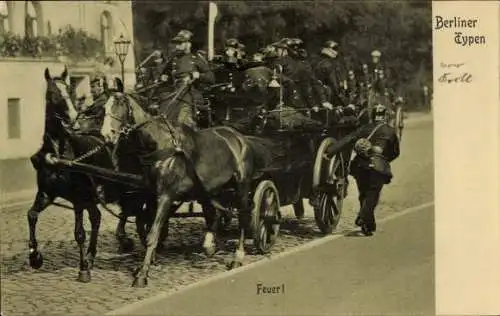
(130, 126)
(65, 97)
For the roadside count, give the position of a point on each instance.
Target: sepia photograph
(217, 158)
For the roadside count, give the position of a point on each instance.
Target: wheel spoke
(270, 200)
(331, 210)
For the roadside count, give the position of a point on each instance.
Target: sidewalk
(13, 200)
(21, 198)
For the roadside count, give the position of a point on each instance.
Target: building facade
(22, 87)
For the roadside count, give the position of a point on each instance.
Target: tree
(400, 29)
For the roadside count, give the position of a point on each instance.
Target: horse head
(125, 118)
(59, 105)
(118, 116)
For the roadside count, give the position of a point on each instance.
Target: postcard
(250, 157)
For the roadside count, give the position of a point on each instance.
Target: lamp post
(121, 50)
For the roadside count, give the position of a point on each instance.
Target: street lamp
(121, 50)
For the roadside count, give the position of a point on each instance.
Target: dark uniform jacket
(329, 72)
(300, 86)
(353, 91)
(256, 77)
(91, 119)
(184, 65)
(385, 138)
(378, 84)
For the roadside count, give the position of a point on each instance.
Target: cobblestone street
(54, 290)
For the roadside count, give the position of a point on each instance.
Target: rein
(126, 130)
(68, 128)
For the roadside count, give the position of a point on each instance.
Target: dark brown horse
(132, 200)
(60, 114)
(185, 166)
(61, 141)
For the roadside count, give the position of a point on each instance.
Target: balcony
(71, 46)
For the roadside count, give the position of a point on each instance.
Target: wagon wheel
(329, 183)
(399, 122)
(265, 216)
(298, 205)
(224, 221)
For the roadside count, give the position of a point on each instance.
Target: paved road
(53, 288)
(349, 275)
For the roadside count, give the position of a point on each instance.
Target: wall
(23, 78)
(80, 14)
(87, 15)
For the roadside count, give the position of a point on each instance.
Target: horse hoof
(210, 250)
(140, 282)
(36, 260)
(126, 245)
(90, 263)
(235, 264)
(84, 276)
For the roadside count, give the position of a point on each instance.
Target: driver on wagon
(92, 116)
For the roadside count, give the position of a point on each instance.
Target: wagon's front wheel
(265, 221)
(329, 185)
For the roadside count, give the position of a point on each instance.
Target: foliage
(75, 44)
(10, 45)
(400, 29)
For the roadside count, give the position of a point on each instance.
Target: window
(49, 28)
(31, 23)
(106, 31)
(14, 118)
(4, 17)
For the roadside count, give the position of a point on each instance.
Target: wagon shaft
(108, 174)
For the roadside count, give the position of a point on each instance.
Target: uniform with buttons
(372, 169)
(182, 68)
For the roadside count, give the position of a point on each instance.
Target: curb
(135, 307)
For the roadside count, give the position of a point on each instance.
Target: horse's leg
(41, 202)
(147, 217)
(243, 221)
(140, 225)
(126, 244)
(84, 273)
(95, 223)
(163, 236)
(212, 216)
(164, 205)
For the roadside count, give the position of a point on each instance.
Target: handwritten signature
(450, 77)
(454, 77)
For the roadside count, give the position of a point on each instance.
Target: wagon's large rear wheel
(399, 122)
(329, 185)
(265, 220)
